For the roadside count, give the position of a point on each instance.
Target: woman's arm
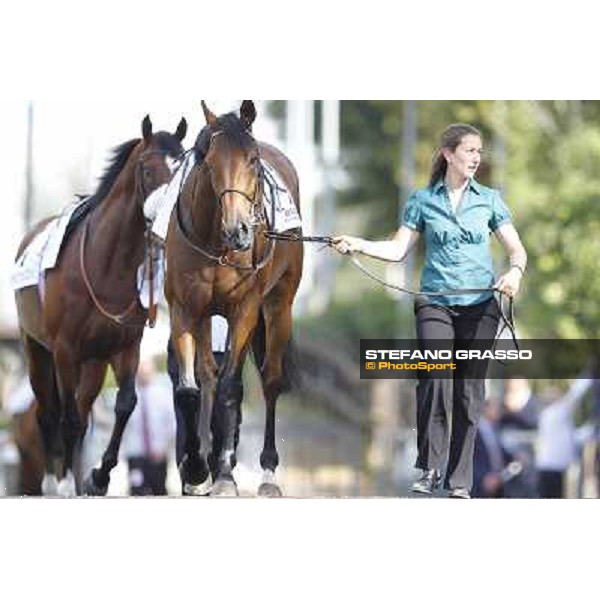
(394, 250)
(510, 282)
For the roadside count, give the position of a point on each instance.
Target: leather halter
(258, 217)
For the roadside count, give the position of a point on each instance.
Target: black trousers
(449, 407)
(147, 477)
(551, 484)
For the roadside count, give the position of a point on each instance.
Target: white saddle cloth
(159, 205)
(42, 252)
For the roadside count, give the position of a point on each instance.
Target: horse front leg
(193, 468)
(90, 384)
(125, 367)
(229, 398)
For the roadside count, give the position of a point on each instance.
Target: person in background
(490, 459)
(557, 440)
(518, 427)
(150, 434)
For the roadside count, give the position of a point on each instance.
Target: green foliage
(372, 315)
(546, 158)
(554, 184)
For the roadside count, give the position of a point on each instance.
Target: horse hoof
(198, 489)
(224, 487)
(90, 488)
(66, 487)
(195, 476)
(50, 485)
(269, 490)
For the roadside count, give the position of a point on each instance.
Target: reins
(120, 318)
(508, 319)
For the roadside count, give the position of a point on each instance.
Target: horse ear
(181, 129)
(210, 117)
(147, 128)
(248, 113)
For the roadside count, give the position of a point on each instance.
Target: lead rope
(508, 320)
(152, 306)
(148, 267)
(117, 318)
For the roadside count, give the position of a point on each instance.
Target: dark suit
(489, 458)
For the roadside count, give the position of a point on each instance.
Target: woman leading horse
(90, 315)
(220, 262)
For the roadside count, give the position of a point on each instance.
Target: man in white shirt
(557, 447)
(150, 434)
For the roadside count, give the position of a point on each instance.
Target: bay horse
(91, 316)
(220, 262)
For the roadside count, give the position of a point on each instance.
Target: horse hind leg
(43, 382)
(217, 424)
(26, 433)
(67, 371)
(277, 331)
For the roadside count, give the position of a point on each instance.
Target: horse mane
(231, 127)
(165, 142)
(120, 156)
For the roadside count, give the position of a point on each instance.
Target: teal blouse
(457, 246)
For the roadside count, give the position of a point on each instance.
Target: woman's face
(465, 160)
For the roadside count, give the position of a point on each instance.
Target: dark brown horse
(220, 262)
(91, 315)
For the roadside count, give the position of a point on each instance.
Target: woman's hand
(510, 282)
(347, 244)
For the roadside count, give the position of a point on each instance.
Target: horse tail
(290, 364)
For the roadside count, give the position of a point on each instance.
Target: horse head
(158, 157)
(229, 152)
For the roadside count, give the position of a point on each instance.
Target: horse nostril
(243, 229)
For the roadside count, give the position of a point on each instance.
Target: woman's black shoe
(428, 482)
